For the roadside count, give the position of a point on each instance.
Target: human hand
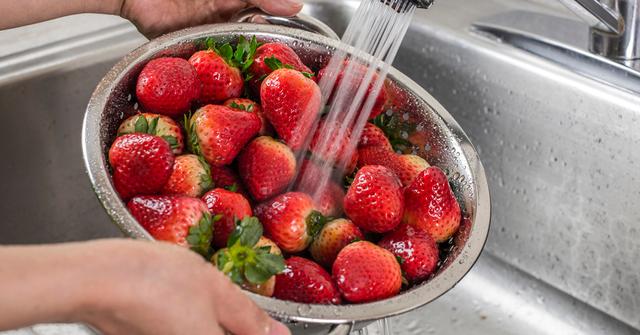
(154, 17)
(143, 288)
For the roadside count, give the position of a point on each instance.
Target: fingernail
(278, 328)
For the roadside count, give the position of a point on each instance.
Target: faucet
(615, 27)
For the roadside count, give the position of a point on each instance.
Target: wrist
(112, 7)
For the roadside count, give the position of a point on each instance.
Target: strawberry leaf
(256, 274)
(210, 43)
(237, 106)
(153, 126)
(226, 52)
(396, 130)
(141, 126)
(307, 74)
(274, 264)
(206, 183)
(192, 136)
(315, 221)
(172, 140)
(247, 233)
(233, 187)
(273, 63)
(200, 235)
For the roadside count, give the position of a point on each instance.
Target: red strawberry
(406, 167)
(220, 80)
(431, 205)
(155, 124)
(291, 103)
(365, 272)
(291, 220)
(232, 206)
(141, 163)
(416, 249)
(306, 282)
(265, 55)
(334, 236)
(330, 198)
(372, 136)
(224, 177)
(252, 107)
(181, 220)
(266, 167)
(331, 143)
(168, 86)
(190, 177)
(356, 75)
(374, 200)
(218, 133)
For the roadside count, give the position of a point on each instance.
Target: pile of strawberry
(217, 180)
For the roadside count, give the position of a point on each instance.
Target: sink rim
(97, 170)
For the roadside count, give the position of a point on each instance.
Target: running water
(350, 88)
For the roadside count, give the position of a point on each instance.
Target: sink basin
(560, 149)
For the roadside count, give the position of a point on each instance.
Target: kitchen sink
(560, 147)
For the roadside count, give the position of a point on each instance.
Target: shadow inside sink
(46, 194)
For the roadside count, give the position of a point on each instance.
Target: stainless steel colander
(439, 138)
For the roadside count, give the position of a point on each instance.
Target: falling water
(375, 33)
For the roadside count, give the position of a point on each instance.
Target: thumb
(278, 7)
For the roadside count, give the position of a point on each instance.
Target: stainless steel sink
(560, 146)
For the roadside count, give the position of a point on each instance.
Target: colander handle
(300, 21)
(342, 329)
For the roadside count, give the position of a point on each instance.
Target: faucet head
(422, 3)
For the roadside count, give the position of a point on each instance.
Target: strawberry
(269, 57)
(168, 86)
(231, 206)
(416, 250)
(252, 107)
(334, 236)
(306, 282)
(374, 200)
(356, 74)
(406, 167)
(374, 137)
(250, 260)
(290, 220)
(225, 177)
(220, 81)
(291, 103)
(331, 143)
(180, 220)
(431, 205)
(191, 177)
(218, 133)
(155, 124)
(330, 198)
(365, 272)
(266, 167)
(141, 163)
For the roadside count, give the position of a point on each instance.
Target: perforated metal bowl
(441, 142)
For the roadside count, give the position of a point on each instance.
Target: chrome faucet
(615, 27)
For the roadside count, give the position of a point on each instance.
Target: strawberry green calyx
(315, 222)
(144, 126)
(232, 188)
(201, 234)
(192, 136)
(274, 64)
(246, 108)
(242, 261)
(206, 183)
(241, 57)
(396, 129)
